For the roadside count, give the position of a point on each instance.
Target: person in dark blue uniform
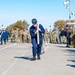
(67, 35)
(36, 48)
(7, 34)
(3, 37)
(0, 36)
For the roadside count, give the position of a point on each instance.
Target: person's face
(35, 25)
(66, 27)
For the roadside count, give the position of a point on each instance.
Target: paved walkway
(57, 60)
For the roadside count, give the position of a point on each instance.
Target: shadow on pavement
(71, 65)
(22, 57)
(71, 59)
(43, 52)
(71, 55)
(71, 51)
(62, 46)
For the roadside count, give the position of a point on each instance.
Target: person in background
(67, 35)
(3, 37)
(7, 34)
(63, 38)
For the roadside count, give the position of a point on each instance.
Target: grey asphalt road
(57, 60)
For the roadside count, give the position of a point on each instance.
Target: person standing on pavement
(7, 34)
(67, 35)
(0, 37)
(36, 48)
(50, 36)
(3, 37)
(70, 36)
(73, 37)
(63, 38)
(46, 36)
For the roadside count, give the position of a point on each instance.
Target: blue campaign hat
(34, 21)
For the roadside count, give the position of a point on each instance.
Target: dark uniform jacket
(33, 35)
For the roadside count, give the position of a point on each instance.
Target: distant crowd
(14, 36)
(63, 36)
(55, 36)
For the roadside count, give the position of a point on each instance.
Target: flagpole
(38, 35)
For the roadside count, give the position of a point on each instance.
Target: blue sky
(45, 11)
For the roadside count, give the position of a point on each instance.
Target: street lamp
(73, 13)
(67, 4)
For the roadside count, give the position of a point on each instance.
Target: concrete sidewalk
(57, 60)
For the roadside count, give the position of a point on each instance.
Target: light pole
(50, 26)
(1, 26)
(73, 13)
(67, 4)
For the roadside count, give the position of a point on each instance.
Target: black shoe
(67, 46)
(1, 44)
(5, 43)
(33, 59)
(38, 58)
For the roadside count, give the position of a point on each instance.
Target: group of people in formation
(64, 36)
(20, 35)
(14, 36)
